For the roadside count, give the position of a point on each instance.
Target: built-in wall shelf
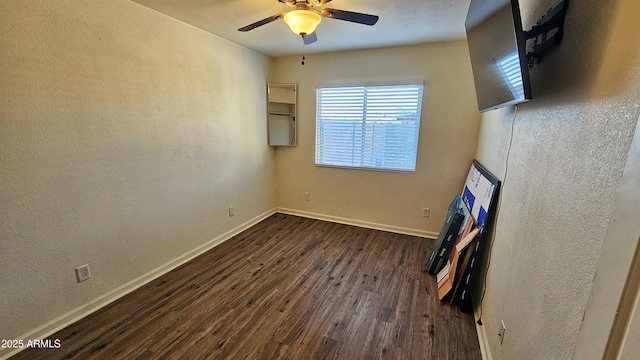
(281, 114)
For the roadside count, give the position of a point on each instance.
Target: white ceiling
(402, 22)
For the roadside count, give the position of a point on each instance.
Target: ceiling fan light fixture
(302, 21)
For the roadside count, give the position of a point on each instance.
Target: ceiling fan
(304, 19)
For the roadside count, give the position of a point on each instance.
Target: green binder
(447, 237)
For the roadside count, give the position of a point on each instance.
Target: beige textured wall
(124, 137)
(448, 138)
(570, 145)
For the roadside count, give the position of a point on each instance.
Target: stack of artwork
(461, 242)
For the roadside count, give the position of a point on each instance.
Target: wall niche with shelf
(281, 117)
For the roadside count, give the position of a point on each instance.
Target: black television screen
(498, 57)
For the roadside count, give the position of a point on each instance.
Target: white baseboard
(485, 351)
(78, 313)
(360, 223)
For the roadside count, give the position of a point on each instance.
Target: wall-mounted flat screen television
(498, 56)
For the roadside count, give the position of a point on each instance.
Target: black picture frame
(471, 280)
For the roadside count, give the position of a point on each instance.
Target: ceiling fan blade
(261, 22)
(355, 17)
(319, 2)
(310, 39)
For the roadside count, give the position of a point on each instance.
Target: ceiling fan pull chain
(302, 63)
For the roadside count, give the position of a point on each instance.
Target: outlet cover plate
(83, 272)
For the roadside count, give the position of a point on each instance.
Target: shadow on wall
(597, 53)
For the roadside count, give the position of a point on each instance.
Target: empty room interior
(136, 138)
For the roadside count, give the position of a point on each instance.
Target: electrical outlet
(83, 273)
(501, 331)
(307, 196)
(426, 212)
(231, 211)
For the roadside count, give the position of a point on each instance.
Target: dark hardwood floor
(288, 288)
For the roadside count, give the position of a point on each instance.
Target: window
(368, 127)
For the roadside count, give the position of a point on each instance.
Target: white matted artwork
(478, 192)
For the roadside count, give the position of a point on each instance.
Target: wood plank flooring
(287, 288)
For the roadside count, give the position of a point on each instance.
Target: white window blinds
(371, 127)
